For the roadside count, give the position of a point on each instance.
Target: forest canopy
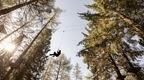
(114, 39)
(26, 30)
(113, 43)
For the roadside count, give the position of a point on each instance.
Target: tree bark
(120, 76)
(20, 59)
(10, 9)
(133, 69)
(15, 30)
(58, 71)
(131, 22)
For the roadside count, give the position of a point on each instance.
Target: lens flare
(7, 45)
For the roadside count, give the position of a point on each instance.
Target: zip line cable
(62, 35)
(61, 39)
(71, 29)
(6, 77)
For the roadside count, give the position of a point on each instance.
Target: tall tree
(7, 10)
(112, 28)
(32, 67)
(77, 75)
(60, 70)
(30, 18)
(25, 58)
(48, 73)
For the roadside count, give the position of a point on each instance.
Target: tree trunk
(20, 59)
(10, 9)
(133, 69)
(15, 30)
(120, 76)
(131, 22)
(57, 76)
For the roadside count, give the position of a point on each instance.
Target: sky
(69, 31)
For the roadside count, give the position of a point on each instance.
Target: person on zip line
(56, 54)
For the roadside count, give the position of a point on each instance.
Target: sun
(7, 45)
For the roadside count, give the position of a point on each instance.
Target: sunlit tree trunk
(59, 68)
(16, 30)
(10, 9)
(48, 73)
(20, 59)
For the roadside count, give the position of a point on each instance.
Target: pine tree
(60, 70)
(112, 24)
(48, 73)
(7, 10)
(29, 59)
(77, 75)
(33, 19)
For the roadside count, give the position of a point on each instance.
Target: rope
(72, 29)
(62, 35)
(61, 40)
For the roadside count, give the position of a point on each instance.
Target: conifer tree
(112, 26)
(33, 19)
(60, 70)
(77, 75)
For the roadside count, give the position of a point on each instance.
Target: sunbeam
(7, 45)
